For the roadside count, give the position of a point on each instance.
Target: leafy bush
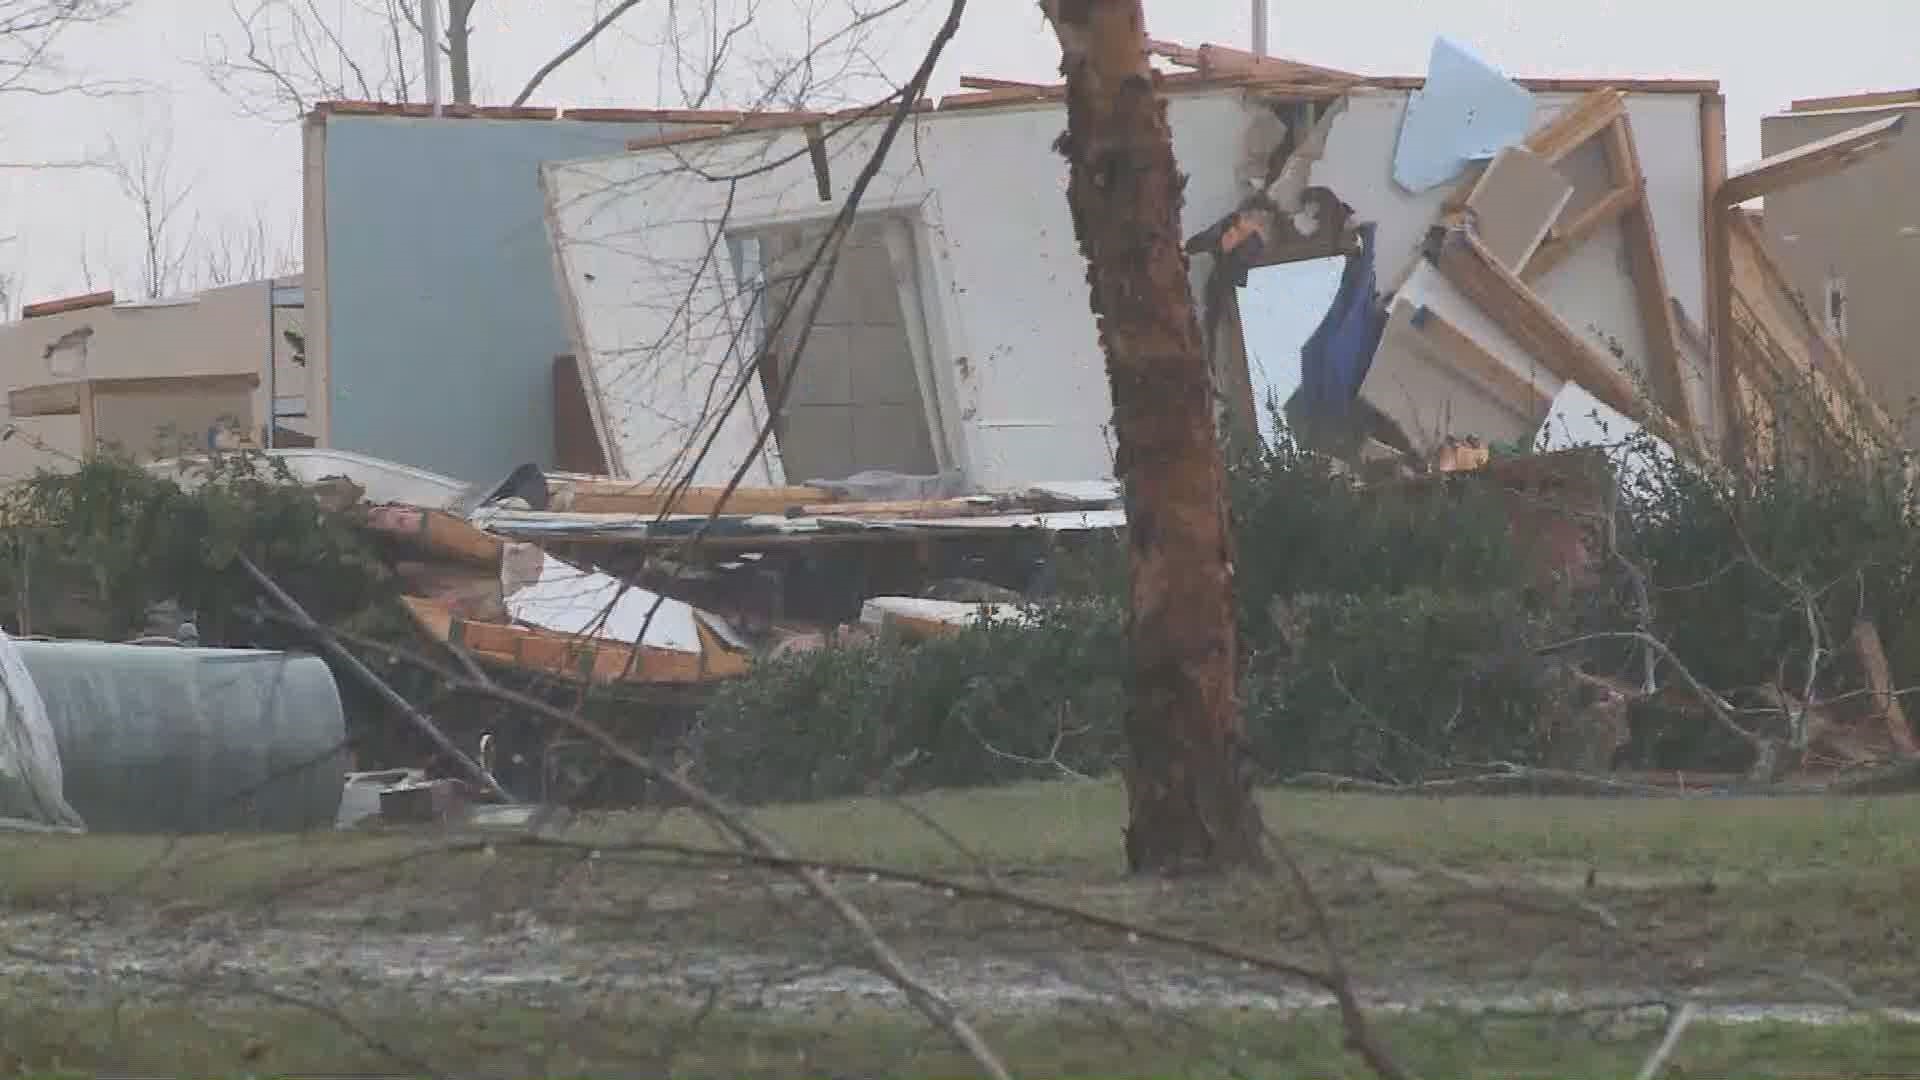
(1304, 528)
(991, 704)
(1397, 686)
(89, 551)
(1733, 570)
(1424, 619)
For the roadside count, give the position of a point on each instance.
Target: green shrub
(1303, 528)
(1396, 687)
(88, 552)
(992, 704)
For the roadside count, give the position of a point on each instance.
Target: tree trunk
(459, 49)
(1189, 791)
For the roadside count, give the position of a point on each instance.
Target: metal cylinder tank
(173, 740)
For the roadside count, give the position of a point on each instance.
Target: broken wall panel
(1017, 379)
(424, 290)
(1516, 202)
(1857, 226)
(1589, 287)
(1358, 162)
(1435, 381)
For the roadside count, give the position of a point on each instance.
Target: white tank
(168, 740)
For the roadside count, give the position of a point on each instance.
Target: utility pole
(1259, 27)
(430, 31)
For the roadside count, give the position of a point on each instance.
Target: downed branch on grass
(420, 720)
(248, 986)
(1657, 1061)
(927, 1000)
(1507, 779)
(1361, 1038)
(1550, 902)
(985, 891)
(1872, 655)
(1766, 751)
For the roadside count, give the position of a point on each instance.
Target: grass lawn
(1781, 898)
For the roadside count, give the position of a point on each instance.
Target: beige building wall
(161, 422)
(223, 331)
(1854, 237)
(39, 442)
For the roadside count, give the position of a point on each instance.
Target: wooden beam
(1174, 52)
(1719, 313)
(1470, 358)
(1574, 125)
(1803, 163)
(1213, 61)
(614, 497)
(1856, 101)
(1563, 240)
(66, 304)
(1833, 357)
(1518, 310)
(1567, 131)
(1649, 279)
(982, 82)
(1225, 60)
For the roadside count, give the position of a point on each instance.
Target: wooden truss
(1500, 282)
(1760, 339)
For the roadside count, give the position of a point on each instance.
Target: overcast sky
(66, 225)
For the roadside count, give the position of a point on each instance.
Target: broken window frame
(906, 236)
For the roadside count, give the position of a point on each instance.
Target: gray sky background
(65, 224)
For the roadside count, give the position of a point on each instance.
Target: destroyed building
(1503, 240)
(606, 314)
(1848, 234)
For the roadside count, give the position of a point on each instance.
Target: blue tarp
(1466, 112)
(1334, 361)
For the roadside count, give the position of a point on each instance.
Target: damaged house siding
(658, 266)
(430, 281)
(215, 336)
(1016, 380)
(1861, 227)
(1592, 288)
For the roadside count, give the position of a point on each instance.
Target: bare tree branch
(145, 176)
(573, 49)
(29, 30)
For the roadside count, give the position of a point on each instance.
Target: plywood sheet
(1516, 202)
(1434, 382)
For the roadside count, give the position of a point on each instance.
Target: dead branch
(1061, 731)
(985, 890)
(1361, 1038)
(420, 720)
(145, 176)
(1766, 751)
(1657, 1061)
(573, 48)
(1507, 779)
(824, 262)
(29, 30)
(253, 988)
(927, 1000)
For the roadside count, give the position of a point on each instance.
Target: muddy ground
(371, 927)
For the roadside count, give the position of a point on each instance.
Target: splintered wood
(1785, 355)
(1819, 158)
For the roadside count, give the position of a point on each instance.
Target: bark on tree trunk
(459, 49)
(1189, 790)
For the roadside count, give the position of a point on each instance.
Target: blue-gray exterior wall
(443, 317)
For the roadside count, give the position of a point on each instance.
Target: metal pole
(1259, 27)
(273, 368)
(430, 30)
